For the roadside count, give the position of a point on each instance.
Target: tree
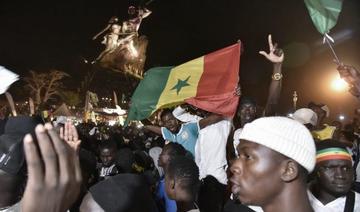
(44, 86)
(71, 98)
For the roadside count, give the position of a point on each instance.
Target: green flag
(324, 13)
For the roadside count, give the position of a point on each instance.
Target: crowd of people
(191, 160)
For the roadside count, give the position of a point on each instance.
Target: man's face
(170, 122)
(164, 158)
(255, 179)
(107, 156)
(335, 176)
(247, 112)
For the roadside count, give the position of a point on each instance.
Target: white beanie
(285, 136)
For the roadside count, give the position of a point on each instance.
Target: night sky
(57, 34)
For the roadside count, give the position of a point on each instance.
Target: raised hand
(275, 55)
(54, 175)
(70, 135)
(348, 73)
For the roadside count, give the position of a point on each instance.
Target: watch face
(277, 76)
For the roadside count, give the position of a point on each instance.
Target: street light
(341, 117)
(339, 84)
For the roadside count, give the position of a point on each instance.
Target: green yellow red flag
(207, 82)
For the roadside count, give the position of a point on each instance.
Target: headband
(332, 154)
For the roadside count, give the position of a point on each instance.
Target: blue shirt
(186, 137)
(170, 205)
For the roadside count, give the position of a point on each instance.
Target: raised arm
(154, 129)
(276, 56)
(212, 119)
(184, 116)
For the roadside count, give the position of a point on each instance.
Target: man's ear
(289, 170)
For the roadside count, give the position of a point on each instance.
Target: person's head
(169, 121)
(275, 153)
(121, 193)
(132, 10)
(333, 170)
(247, 110)
(168, 153)
(182, 179)
(108, 151)
(306, 117)
(321, 111)
(12, 158)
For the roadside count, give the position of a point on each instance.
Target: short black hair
(247, 100)
(108, 144)
(174, 150)
(185, 170)
(313, 104)
(329, 143)
(165, 112)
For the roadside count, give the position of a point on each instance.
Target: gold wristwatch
(277, 76)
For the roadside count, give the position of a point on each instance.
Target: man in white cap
(275, 156)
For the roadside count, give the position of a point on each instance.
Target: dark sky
(57, 34)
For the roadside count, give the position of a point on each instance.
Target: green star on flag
(180, 84)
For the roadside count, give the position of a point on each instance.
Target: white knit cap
(285, 136)
(305, 116)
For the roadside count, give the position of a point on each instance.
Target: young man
(247, 107)
(275, 156)
(168, 153)
(210, 157)
(107, 167)
(185, 134)
(182, 183)
(334, 177)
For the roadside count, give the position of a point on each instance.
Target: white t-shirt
(210, 148)
(337, 205)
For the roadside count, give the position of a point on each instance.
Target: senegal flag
(207, 82)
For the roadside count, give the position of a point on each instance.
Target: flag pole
(327, 40)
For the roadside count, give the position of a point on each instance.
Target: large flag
(324, 13)
(6, 79)
(207, 82)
